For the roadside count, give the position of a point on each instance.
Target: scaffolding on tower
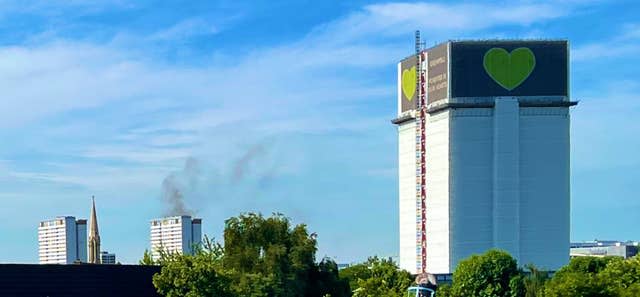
(421, 194)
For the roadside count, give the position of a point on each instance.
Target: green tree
(534, 282)
(326, 280)
(198, 275)
(623, 275)
(529, 282)
(261, 257)
(356, 272)
(146, 259)
(486, 275)
(270, 257)
(581, 278)
(591, 265)
(494, 274)
(517, 286)
(570, 284)
(377, 277)
(444, 290)
(631, 291)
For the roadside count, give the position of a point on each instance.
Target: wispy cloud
(631, 32)
(603, 50)
(460, 16)
(627, 42)
(93, 178)
(311, 85)
(52, 78)
(186, 29)
(142, 155)
(602, 120)
(297, 87)
(439, 20)
(56, 8)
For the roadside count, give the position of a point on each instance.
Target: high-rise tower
(483, 130)
(62, 240)
(94, 236)
(177, 234)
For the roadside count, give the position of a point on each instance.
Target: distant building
(62, 240)
(177, 234)
(343, 265)
(601, 248)
(107, 258)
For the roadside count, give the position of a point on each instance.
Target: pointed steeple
(94, 237)
(93, 222)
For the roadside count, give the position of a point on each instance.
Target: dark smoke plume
(197, 183)
(241, 166)
(178, 184)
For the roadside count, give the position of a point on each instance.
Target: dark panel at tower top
(458, 69)
(509, 68)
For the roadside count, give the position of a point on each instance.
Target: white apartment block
(177, 234)
(62, 240)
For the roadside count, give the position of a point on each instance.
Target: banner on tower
(509, 68)
(456, 69)
(408, 84)
(438, 73)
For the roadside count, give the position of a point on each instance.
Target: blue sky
(284, 105)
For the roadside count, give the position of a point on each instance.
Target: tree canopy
(592, 276)
(146, 259)
(377, 277)
(270, 257)
(486, 275)
(260, 257)
(495, 273)
(197, 275)
(270, 251)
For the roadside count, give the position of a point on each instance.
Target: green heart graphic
(409, 82)
(509, 70)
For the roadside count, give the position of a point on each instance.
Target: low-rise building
(107, 258)
(602, 248)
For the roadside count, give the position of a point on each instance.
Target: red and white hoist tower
(421, 193)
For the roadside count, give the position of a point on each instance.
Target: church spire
(94, 236)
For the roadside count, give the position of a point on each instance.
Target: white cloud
(185, 29)
(57, 8)
(625, 43)
(435, 19)
(632, 31)
(461, 16)
(41, 81)
(93, 177)
(141, 155)
(144, 105)
(605, 128)
(602, 50)
(44, 80)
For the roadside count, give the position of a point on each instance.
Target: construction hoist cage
(420, 155)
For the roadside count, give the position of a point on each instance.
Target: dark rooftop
(82, 280)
